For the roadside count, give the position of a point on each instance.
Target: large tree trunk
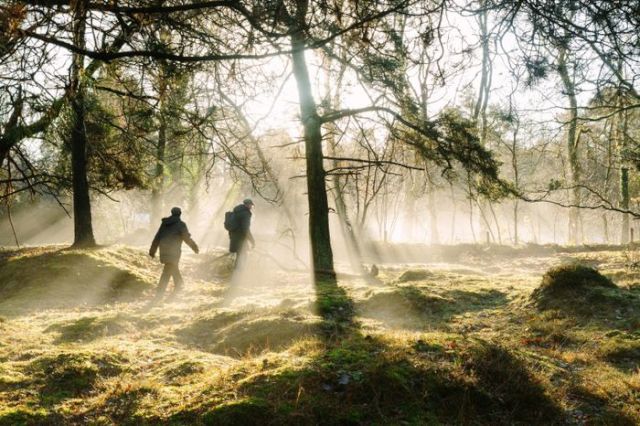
(83, 229)
(480, 113)
(572, 147)
(321, 253)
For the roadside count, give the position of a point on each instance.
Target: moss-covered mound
(69, 374)
(403, 305)
(239, 333)
(89, 328)
(578, 289)
(415, 275)
(35, 279)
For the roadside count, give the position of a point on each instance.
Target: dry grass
(452, 343)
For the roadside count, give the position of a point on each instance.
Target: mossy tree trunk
(83, 229)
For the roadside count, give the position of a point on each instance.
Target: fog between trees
(399, 121)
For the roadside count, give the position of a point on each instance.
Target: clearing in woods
(474, 337)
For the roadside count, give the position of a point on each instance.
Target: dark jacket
(237, 237)
(169, 238)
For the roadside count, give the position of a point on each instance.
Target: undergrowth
(434, 345)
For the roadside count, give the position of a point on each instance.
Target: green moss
(183, 368)
(68, 374)
(620, 350)
(19, 416)
(509, 385)
(242, 412)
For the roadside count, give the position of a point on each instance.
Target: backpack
(230, 222)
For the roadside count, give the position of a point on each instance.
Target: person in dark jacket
(169, 238)
(242, 231)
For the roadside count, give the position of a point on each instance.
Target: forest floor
(441, 342)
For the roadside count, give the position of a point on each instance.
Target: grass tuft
(415, 275)
(577, 289)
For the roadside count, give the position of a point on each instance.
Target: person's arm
(155, 243)
(250, 238)
(186, 237)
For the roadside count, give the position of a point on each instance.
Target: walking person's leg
(164, 280)
(178, 282)
(241, 256)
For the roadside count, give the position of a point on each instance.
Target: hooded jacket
(238, 236)
(169, 238)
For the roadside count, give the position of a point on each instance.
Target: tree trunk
(480, 108)
(433, 215)
(354, 251)
(516, 180)
(572, 147)
(321, 253)
(624, 169)
(515, 223)
(83, 229)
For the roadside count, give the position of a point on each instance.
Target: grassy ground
(477, 339)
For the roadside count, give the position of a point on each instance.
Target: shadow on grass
(364, 379)
(71, 374)
(89, 328)
(597, 409)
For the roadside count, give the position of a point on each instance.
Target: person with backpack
(238, 223)
(169, 238)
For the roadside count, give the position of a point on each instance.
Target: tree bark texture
(572, 147)
(83, 229)
(321, 252)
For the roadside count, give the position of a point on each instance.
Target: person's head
(248, 203)
(175, 211)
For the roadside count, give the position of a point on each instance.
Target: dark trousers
(241, 258)
(170, 270)
(237, 245)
